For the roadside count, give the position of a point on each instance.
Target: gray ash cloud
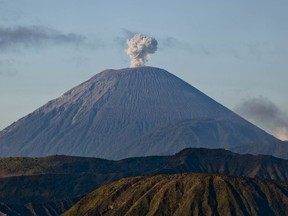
(30, 36)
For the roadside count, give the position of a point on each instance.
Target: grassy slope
(185, 194)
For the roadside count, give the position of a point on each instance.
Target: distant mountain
(133, 112)
(54, 184)
(185, 194)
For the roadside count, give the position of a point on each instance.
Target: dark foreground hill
(53, 184)
(200, 160)
(185, 194)
(133, 112)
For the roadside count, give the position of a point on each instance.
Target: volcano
(133, 112)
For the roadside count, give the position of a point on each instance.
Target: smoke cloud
(34, 36)
(140, 47)
(264, 113)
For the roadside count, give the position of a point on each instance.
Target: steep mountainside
(131, 112)
(206, 133)
(186, 194)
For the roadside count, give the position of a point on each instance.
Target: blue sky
(231, 50)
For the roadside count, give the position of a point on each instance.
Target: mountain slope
(206, 133)
(110, 115)
(186, 194)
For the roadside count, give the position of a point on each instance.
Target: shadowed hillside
(36, 182)
(49, 209)
(198, 160)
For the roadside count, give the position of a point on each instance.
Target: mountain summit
(133, 112)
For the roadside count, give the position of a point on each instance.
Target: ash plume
(264, 113)
(140, 47)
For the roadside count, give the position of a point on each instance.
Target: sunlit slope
(186, 194)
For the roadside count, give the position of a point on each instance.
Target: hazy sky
(234, 51)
